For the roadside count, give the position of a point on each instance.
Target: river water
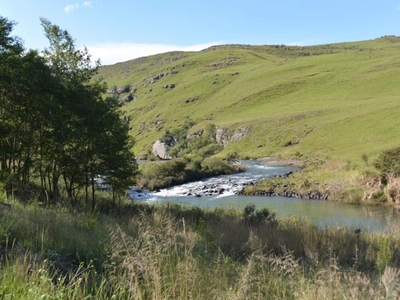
(220, 192)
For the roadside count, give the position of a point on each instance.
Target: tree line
(56, 129)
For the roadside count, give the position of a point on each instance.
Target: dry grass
(173, 252)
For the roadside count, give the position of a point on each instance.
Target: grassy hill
(335, 101)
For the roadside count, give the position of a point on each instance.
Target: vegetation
(388, 163)
(136, 251)
(155, 175)
(54, 124)
(193, 161)
(298, 101)
(58, 131)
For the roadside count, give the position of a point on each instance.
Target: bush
(210, 150)
(168, 139)
(255, 217)
(388, 163)
(216, 166)
(156, 175)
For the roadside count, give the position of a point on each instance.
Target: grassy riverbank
(136, 251)
(366, 182)
(158, 175)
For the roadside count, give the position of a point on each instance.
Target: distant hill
(335, 101)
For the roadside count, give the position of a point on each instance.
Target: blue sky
(120, 30)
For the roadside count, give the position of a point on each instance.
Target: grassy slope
(334, 101)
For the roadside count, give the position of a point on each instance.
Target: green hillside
(334, 101)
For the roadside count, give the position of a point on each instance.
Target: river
(220, 192)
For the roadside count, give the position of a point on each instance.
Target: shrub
(216, 166)
(210, 150)
(168, 139)
(255, 217)
(156, 175)
(388, 163)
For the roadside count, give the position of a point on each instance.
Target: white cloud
(112, 53)
(71, 7)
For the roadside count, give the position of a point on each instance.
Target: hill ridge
(340, 89)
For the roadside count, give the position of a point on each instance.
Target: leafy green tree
(54, 122)
(24, 95)
(89, 137)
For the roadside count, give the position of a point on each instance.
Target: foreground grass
(145, 252)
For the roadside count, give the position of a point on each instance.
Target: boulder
(161, 150)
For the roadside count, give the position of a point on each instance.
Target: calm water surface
(323, 213)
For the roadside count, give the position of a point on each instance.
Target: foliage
(156, 175)
(203, 144)
(215, 166)
(55, 126)
(168, 139)
(388, 163)
(255, 217)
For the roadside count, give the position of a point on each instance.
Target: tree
(24, 94)
(54, 122)
(89, 137)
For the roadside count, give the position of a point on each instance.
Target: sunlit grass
(331, 101)
(176, 252)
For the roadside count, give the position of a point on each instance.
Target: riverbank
(155, 176)
(324, 180)
(272, 161)
(282, 186)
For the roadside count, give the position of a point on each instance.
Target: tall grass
(174, 252)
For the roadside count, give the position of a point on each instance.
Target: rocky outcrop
(124, 89)
(127, 98)
(315, 195)
(194, 135)
(170, 86)
(240, 133)
(224, 136)
(161, 150)
(224, 62)
(191, 100)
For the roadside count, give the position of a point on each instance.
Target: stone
(161, 150)
(240, 133)
(170, 86)
(222, 136)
